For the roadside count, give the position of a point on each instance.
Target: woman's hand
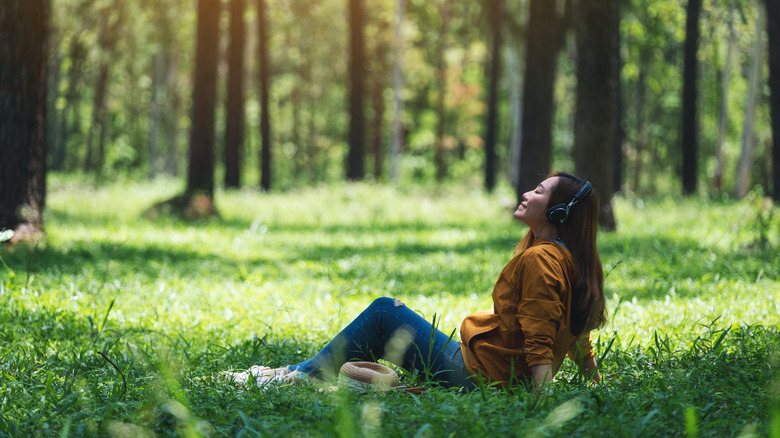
(589, 368)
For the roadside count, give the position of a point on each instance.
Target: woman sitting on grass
(545, 303)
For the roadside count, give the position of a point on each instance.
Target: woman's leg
(389, 330)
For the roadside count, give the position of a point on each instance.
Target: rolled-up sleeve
(540, 310)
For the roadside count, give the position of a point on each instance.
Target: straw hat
(364, 375)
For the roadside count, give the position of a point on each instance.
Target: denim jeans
(389, 330)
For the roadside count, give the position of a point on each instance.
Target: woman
(545, 303)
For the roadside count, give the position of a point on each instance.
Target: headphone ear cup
(558, 214)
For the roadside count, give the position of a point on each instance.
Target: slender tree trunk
(24, 26)
(773, 34)
(723, 116)
(516, 133)
(398, 85)
(538, 99)
(491, 124)
(200, 174)
(440, 161)
(172, 117)
(745, 166)
(98, 121)
(617, 142)
(690, 128)
(154, 122)
(69, 119)
(265, 117)
(356, 153)
(234, 112)
(594, 124)
(641, 131)
(378, 104)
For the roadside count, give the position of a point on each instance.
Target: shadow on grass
(646, 267)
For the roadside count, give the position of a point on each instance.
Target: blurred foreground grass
(114, 323)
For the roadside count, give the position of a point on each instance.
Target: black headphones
(558, 214)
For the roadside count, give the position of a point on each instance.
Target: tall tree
(398, 84)
(594, 122)
(356, 152)
(723, 110)
(745, 166)
(690, 128)
(24, 26)
(234, 111)
(491, 123)
(200, 173)
(541, 57)
(773, 35)
(440, 161)
(111, 17)
(265, 117)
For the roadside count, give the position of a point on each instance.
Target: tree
(445, 10)
(234, 111)
(24, 27)
(111, 17)
(745, 166)
(542, 44)
(398, 84)
(594, 121)
(200, 174)
(491, 128)
(690, 129)
(773, 34)
(356, 153)
(265, 117)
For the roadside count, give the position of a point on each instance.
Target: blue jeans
(389, 330)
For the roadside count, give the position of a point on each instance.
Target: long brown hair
(579, 234)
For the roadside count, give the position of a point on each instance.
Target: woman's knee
(386, 303)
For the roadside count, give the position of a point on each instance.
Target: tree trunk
(773, 33)
(723, 116)
(265, 117)
(690, 119)
(356, 153)
(538, 99)
(440, 160)
(24, 26)
(98, 119)
(617, 142)
(398, 85)
(200, 175)
(154, 122)
(641, 131)
(745, 166)
(69, 119)
(378, 105)
(234, 111)
(594, 123)
(491, 124)
(171, 118)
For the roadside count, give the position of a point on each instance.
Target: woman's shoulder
(546, 248)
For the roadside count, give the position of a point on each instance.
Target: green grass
(116, 323)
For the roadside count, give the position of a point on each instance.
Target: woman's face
(532, 210)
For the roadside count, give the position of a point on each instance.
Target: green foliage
(116, 324)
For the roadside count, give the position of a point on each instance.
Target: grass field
(115, 324)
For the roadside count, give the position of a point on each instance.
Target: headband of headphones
(558, 214)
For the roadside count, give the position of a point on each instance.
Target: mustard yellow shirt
(529, 323)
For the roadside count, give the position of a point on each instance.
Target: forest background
(277, 94)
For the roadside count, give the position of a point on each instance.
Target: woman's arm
(542, 374)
